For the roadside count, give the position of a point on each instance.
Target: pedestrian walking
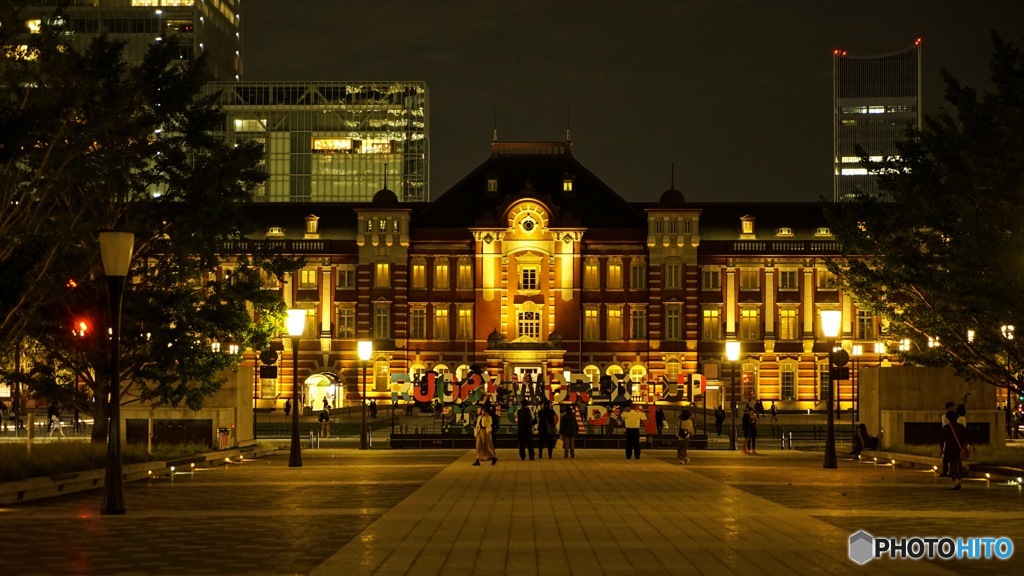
(631, 419)
(327, 406)
(954, 446)
(950, 407)
(373, 408)
(287, 407)
(51, 411)
(719, 419)
(55, 421)
(759, 408)
(567, 428)
(684, 432)
(325, 423)
(482, 432)
(752, 431)
(3, 416)
(659, 419)
(546, 429)
(524, 430)
(774, 412)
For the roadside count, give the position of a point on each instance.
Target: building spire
(385, 175)
(494, 134)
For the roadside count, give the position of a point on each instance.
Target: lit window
(464, 329)
(614, 275)
(590, 275)
(591, 324)
(823, 232)
(440, 323)
(492, 184)
(567, 185)
(614, 327)
(784, 232)
(465, 276)
(307, 278)
(419, 276)
(711, 325)
(34, 26)
(747, 224)
(442, 279)
(382, 277)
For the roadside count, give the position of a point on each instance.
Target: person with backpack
(684, 432)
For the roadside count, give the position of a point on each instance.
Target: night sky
(736, 93)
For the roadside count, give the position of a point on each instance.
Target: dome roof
(672, 198)
(385, 198)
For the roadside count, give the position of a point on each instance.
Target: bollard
(790, 440)
(782, 439)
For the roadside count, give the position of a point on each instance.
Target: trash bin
(225, 438)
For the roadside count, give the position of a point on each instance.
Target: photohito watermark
(864, 547)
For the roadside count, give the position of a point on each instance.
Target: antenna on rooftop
(568, 125)
(385, 175)
(494, 134)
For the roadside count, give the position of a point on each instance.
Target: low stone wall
(72, 482)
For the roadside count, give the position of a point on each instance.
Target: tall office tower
(333, 141)
(201, 26)
(875, 99)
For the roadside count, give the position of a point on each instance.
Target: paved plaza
(430, 512)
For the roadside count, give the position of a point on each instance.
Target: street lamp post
(830, 320)
(365, 352)
(295, 324)
(732, 353)
(855, 397)
(116, 248)
(1007, 331)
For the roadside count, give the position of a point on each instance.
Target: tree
(88, 142)
(942, 263)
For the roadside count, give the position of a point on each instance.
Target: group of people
(547, 431)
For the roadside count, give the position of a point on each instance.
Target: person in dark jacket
(567, 428)
(861, 441)
(954, 439)
(546, 429)
(524, 430)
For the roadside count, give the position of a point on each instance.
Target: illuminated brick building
(532, 265)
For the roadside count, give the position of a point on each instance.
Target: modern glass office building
(875, 99)
(201, 26)
(333, 141)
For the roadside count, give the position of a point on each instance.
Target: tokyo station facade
(531, 265)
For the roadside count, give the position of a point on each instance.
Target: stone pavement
(430, 512)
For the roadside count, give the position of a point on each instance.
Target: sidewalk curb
(1002, 473)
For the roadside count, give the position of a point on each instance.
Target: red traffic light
(80, 328)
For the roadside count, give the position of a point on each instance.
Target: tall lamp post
(295, 324)
(365, 352)
(830, 320)
(1007, 331)
(732, 353)
(116, 248)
